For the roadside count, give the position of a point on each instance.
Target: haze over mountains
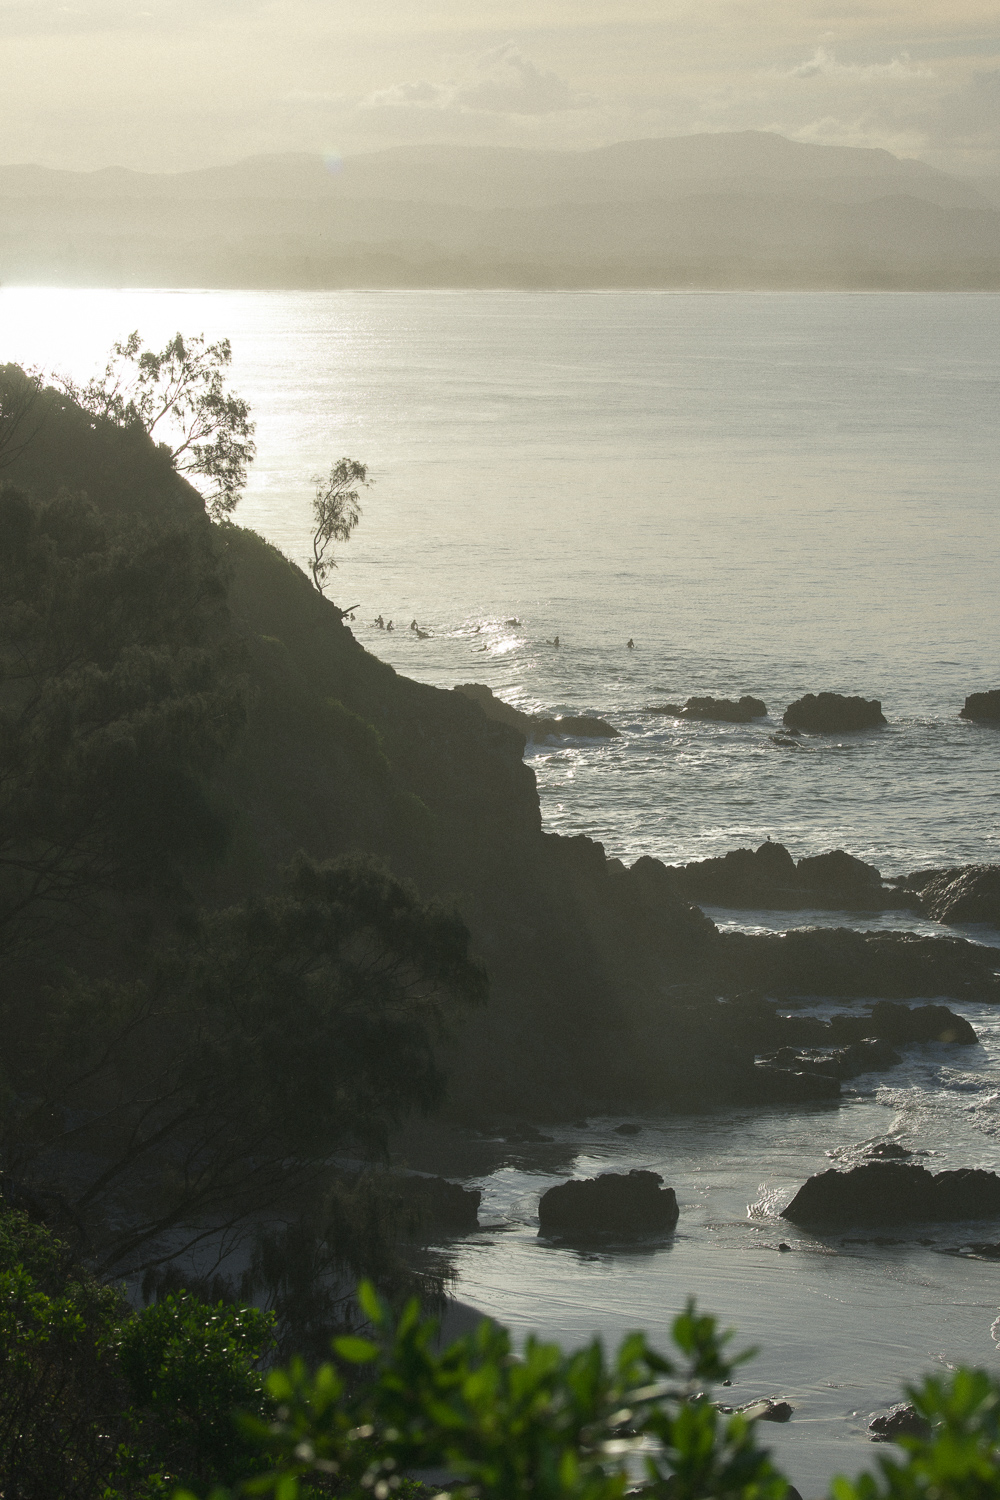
(723, 210)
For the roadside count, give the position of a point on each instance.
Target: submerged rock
(890, 1192)
(720, 710)
(983, 708)
(614, 1204)
(833, 713)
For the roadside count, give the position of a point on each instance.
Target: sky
(169, 85)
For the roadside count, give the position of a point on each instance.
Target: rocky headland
(609, 986)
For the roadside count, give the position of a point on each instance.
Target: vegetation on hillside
(184, 1072)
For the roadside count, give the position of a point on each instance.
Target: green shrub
(574, 1426)
(188, 1367)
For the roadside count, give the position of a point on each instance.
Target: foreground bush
(98, 1402)
(574, 1426)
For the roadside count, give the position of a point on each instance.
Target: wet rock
(968, 893)
(767, 1409)
(842, 961)
(775, 1085)
(575, 726)
(768, 877)
(890, 1192)
(627, 1129)
(983, 708)
(838, 875)
(535, 726)
(891, 1022)
(614, 1204)
(920, 1023)
(889, 1151)
(901, 1420)
(721, 710)
(870, 1055)
(833, 713)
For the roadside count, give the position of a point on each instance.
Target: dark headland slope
(605, 983)
(743, 210)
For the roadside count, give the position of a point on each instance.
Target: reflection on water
(840, 1320)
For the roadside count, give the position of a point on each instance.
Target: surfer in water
(631, 644)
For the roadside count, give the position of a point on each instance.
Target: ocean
(771, 494)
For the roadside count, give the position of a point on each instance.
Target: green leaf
(356, 1351)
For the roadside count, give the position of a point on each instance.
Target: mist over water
(770, 493)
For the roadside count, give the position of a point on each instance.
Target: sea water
(775, 494)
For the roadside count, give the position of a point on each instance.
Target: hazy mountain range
(725, 210)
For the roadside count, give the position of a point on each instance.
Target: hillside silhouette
(748, 209)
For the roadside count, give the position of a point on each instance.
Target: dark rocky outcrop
(982, 708)
(870, 1055)
(719, 710)
(536, 726)
(901, 1420)
(612, 1205)
(771, 1084)
(833, 713)
(840, 961)
(768, 878)
(918, 1023)
(965, 893)
(890, 1192)
(842, 1047)
(438, 1203)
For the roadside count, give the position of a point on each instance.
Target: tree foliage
(218, 1085)
(178, 395)
(100, 1403)
(21, 415)
(117, 701)
(336, 512)
(576, 1426)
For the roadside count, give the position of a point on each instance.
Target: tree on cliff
(336, 512)
(178, 396)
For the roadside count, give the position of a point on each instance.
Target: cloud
(501, 81)
(824, 64)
